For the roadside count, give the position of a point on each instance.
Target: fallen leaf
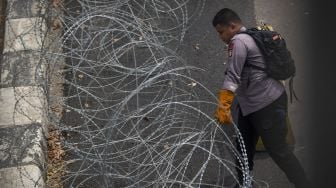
(57, 3)
(56, 24)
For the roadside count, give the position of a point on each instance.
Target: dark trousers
(270, 124)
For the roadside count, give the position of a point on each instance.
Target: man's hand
(223, 112)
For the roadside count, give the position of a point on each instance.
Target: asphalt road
(286, 16)
(290, 18)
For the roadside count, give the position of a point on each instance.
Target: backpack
(279, 62)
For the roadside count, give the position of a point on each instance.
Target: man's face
(226, 32)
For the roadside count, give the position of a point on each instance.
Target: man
(262, 100)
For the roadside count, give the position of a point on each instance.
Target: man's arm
(237, 56)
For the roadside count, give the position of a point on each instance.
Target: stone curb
(23, 104)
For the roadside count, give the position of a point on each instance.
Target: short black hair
(225, 16)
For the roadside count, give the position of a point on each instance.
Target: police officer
(262, 100)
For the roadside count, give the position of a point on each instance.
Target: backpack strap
(291, 90)
(250, 33)
(254, 66)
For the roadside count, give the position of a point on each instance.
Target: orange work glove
(223, 112)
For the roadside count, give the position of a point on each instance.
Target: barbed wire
(133, 114)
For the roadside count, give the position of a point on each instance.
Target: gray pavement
(202, 48)
(290, 18)
(22, 101)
